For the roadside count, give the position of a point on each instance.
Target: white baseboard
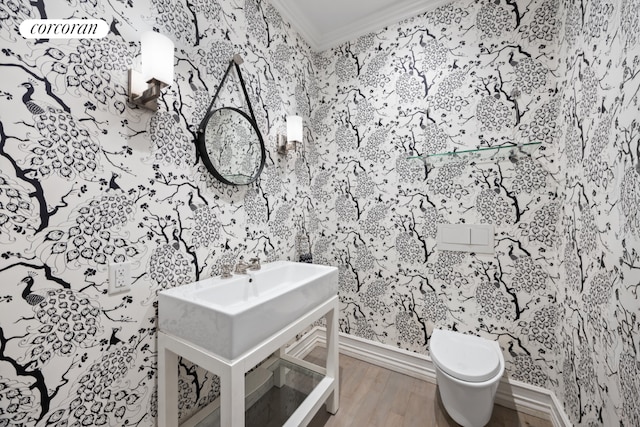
(512, 394)
(559, 418)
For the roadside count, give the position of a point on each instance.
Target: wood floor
(371, 396)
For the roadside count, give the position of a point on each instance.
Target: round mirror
(231, 146)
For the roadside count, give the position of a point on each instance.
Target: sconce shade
(294, 129)
(157, 57)
(288, 143)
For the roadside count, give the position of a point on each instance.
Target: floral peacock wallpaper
(468, 74)
(87, 179)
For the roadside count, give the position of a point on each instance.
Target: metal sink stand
(232, 372)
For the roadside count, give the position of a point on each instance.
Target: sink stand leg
(333, 369)
(279, 378)
(167, 385)
(232, 397)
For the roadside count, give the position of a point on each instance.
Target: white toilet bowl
(468, 371)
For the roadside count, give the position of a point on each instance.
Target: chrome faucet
(254, 264)
(241, 267)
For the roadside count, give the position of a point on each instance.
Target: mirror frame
(201, 145)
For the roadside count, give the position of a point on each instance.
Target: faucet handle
(254, 263)
(226, 270)
(241, 267)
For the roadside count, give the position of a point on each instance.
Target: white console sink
(228, 317)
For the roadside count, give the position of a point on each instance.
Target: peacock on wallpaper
(87, 179)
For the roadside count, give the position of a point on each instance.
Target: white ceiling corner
(292, 13)
(329, 23)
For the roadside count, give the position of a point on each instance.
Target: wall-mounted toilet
(468, 371)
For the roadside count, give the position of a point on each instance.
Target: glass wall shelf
(485, 154)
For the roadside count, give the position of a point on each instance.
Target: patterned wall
(87, 179)
(468, 74)
(561, 293)
(600, 270)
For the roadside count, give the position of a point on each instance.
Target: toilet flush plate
(477, 238)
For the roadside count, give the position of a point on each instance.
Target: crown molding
(365, 25)
(292, 14)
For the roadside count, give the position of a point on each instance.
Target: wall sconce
(157, 70)
(294, 135)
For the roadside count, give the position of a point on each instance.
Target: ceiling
(328, 23)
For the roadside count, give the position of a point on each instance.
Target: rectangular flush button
(476, 238)
(456, 234)
(479, 236)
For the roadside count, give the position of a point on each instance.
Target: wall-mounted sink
(230, 316)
